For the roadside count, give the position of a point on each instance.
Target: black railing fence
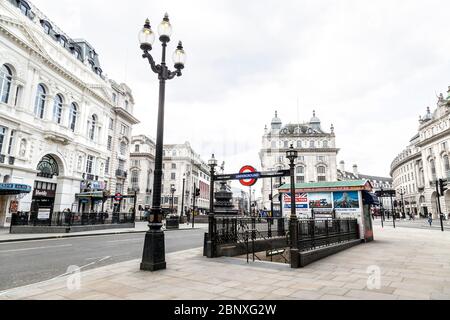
(313, 234)
(71, 219)
(229, 230)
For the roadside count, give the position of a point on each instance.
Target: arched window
(47, 26)
(5, 83)
(299, 144)
(57, 109)
(39, 104)
(24, 7)
(300, 175)
(321, 174)
(48, 167)
(73, 116)
(92, 124)
(123, 148)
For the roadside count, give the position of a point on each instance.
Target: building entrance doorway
(43, 200)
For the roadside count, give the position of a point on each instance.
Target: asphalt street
(24, 263)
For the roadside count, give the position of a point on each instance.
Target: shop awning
(370, 199)
(14, 188)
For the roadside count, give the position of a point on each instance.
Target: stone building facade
(317, 150)
(141, 178)
(65, 127)
(426, 159)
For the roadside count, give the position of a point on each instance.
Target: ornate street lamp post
(210, 247)
(154, 248)
(292, 155)
(172, 190)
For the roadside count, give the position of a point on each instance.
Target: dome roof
(314, 119)
(276, 120)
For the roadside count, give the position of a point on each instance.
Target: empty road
(23, 263)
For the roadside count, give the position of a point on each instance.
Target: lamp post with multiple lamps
(292, 155)
(154, 248)
(210, 248)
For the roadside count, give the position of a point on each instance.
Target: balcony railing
(121, 173)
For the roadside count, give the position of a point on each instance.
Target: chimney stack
(355, 170)
(342, 166)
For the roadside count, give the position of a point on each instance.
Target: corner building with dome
(316, 148)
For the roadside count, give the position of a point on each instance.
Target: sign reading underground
(248, 176)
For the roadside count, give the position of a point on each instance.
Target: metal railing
(313, 234)
(229, 230)
(68, 219)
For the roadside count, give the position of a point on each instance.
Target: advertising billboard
(346, 202)
(320, 201)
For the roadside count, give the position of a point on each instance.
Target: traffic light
(443, 186)
(197, 192)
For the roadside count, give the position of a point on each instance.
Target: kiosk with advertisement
(328, 200)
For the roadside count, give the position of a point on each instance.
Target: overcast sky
(368, 67)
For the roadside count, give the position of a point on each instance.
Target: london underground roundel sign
(249, 173)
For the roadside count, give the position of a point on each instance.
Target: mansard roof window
(47, 26)
(24, 7)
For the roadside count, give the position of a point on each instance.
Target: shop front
(10, 194)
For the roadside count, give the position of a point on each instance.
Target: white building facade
(142, 170)
(64, 127)
(316, 148)
(182, 164)
(416, 170)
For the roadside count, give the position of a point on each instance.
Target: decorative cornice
(40, 53)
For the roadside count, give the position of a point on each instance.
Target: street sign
(118, 197)
(248, 176)
(252, 175)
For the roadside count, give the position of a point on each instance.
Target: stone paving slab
(414, 264)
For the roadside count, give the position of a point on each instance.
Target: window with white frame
(92, 124)
(123, 148)
(3, 131)
(90, 164)
(73, 114)
(109, 143)
(321, 174)
(57, 108)
(39, 104)
(5, 83)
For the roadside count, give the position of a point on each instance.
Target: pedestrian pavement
(402, 264)
(140, 227)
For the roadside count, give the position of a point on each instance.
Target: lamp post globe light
(153, 258)
(292, 155)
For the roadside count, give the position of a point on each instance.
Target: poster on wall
(44, 214)
(347, 202)
(320, 202)
(301, 204)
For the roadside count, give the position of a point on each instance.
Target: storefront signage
(44, 193)
(14, 188)
(44, 214)
(93, 185)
